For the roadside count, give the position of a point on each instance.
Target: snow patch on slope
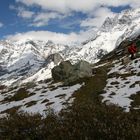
(119, 89)
(42, 74)
(45, 96)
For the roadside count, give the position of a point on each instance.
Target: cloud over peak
(97, 18)
(60, 38)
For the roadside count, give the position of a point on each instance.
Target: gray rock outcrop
(56, 58)
(62, 71)
(69, 73)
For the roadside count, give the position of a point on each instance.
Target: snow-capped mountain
(111, 34)
(27, 59)
(20, 60)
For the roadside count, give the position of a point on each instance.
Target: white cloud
(22, 12)
(78, 5)
(61, 38)
(1, 24)
(98, 17)
(42, 19)
(96, 10)
(39, 18)
(25, 14)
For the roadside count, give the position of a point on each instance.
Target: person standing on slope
(132, 49)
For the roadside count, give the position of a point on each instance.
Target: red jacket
(132, 49)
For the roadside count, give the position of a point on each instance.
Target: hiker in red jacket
(132, 50)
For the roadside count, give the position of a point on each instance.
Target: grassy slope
(86, 119)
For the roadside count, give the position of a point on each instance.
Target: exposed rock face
(101, 53)
(62, 71)
(69, 73)
(83, 69)
(56, 58)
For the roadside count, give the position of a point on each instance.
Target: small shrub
(115, 83)
(31, 103)
(44, 101)
(20, 95)
(136, 100)
(2, 87)
(30, 85)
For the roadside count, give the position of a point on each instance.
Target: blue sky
(67, 19)
(13, 23)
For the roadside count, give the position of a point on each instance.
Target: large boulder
(83, 69)
(69, 73)
(62, 71)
